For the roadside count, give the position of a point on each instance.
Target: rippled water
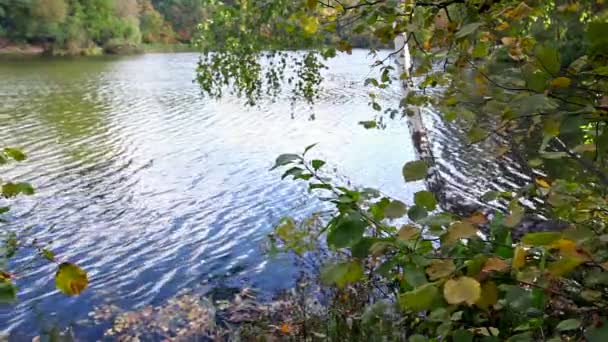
(152, 188)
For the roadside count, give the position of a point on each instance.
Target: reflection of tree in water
(62, 104)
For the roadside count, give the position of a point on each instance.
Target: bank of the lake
(23, 49)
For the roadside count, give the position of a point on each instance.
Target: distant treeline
(94, 26)
(88, 27)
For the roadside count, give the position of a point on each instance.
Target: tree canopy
(74, 25)
(529, 72)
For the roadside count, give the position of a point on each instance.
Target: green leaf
(552, 126)
(568, 324)
(294, 171)
(476, 134)
(319, 186)
(309, 147)
(317, 164)
(426, 199)
(597, 333)
(564, 266)
(536, 78)
(523, 337)
(414, 276)
(415, 170)
(420, 299)
(342, 274)
(417, 213)
(540, 239)
(481, 50)
(347, 231)
(8, 292)
(48, 254)
(548, 59)
(362, 248)
(467, 30)
(71, 279)
(395, 209)
(285, 159)
(15, 153)
(369, 124)
(462, 335)
(417, 338)
(13, 189)
(4, 210)
(602, 71)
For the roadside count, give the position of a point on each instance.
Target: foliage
(70, 279)
(466, 269)
(73, 26)
(531, 72)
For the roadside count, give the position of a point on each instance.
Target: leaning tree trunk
(416, 125)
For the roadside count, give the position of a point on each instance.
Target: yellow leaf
(519, 257)
(542, 182)
(285, 328)
(489, 295)
(561, 82)
(501, 151)
(477, 218)
(564, 266)
(495, 264)
(71, 279)
(310, 25)
(462, 290)
(407, 233)
(517, 213)
(460, 230)
(440, 269)
(503, 26)
(518, 12)
(508, 41)
(565, 246)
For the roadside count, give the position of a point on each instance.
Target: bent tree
(533, 72)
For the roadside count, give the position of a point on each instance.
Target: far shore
(40, 50)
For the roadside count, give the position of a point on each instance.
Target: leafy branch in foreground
(69, 278)
(464, 278)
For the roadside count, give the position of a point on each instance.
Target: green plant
(70, 279)
(463, 278)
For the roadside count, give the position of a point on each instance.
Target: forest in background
(89, 27)
(94, 27)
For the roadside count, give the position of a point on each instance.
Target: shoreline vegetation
(36, 50)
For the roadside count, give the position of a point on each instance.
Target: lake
(152, 188)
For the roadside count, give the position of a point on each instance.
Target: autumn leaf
(462, 290)
(542, 182)
(561, 82)
(477, 218)
(519, 257)
(285, 328)
(440, 269)
(489, 295)
(564, 266)
(460, 230)
(71, 279)
(495, 264)
(407, 233)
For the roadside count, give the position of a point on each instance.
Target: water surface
(152, 188)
